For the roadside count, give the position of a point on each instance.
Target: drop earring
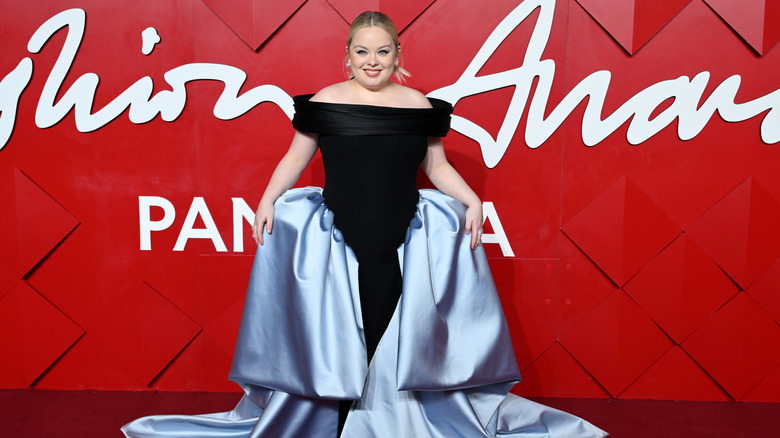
(349, 64)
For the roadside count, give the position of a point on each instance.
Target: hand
(264, 217)
(474, 224)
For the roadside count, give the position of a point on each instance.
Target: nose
(372, 59)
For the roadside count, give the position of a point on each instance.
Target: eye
(361, 52)
(384, 52)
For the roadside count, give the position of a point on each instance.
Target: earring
(396, 62)
(349, 64)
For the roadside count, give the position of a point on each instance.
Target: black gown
(371, 155)
(323, 322)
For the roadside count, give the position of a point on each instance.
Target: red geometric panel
(223, 281)
(7, 278)
(681, 288)
(633, 22)
(621, 230)
(42, 223)
(33, 334)
(557, 374)
(402, 12)
(756, 21)
(8, 233)
(254, 21)
(202, 366)
(766, 291)
(582, 285)
(738, 346)
(224, 328)
(741, 232)
(146, 333)
(87, 365)
(675, 377)
(528, 291)
(616, 342)
(767, 390)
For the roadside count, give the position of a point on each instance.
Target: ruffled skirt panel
(443, 368)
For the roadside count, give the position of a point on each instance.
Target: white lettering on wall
(11, 88)
(198, 208)
(686, 93)
(143, 107)
(241, 214)
(149, 39)
(146, 225)
(498, 236)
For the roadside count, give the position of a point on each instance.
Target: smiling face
(372, 56)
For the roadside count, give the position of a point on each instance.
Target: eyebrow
(381, 47)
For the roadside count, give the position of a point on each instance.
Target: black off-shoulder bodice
(371, 155)
(354, 119)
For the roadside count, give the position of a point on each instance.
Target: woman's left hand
(474, 224)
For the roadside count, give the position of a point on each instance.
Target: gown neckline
(436, 104)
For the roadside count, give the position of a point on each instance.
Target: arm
(449, 182)
(288, 170)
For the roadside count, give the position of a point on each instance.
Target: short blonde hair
(382, 21)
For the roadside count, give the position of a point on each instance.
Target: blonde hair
(382, 21)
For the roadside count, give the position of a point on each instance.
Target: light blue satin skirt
(443, 368)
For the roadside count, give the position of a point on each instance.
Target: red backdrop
(626, 151)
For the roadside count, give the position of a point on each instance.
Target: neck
(371, 92)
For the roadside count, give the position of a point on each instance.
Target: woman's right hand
(264, 221)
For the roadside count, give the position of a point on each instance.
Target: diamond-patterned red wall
(647, 268)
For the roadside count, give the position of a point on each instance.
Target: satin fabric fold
(301, 331)
(443, 368)
(453, 333)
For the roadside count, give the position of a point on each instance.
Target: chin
(375, 81)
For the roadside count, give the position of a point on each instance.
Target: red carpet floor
(30, 413)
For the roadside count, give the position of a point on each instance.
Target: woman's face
(372, 57)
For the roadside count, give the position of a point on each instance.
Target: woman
(328, 344)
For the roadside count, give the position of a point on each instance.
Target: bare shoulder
(332, 93)
(413, 98)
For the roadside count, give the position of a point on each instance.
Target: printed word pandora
(242, 218)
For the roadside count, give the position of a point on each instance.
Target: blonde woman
(371, 311)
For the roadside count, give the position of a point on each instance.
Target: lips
(372, 73)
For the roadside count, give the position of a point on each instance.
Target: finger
(257, 230)
(473, 234)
